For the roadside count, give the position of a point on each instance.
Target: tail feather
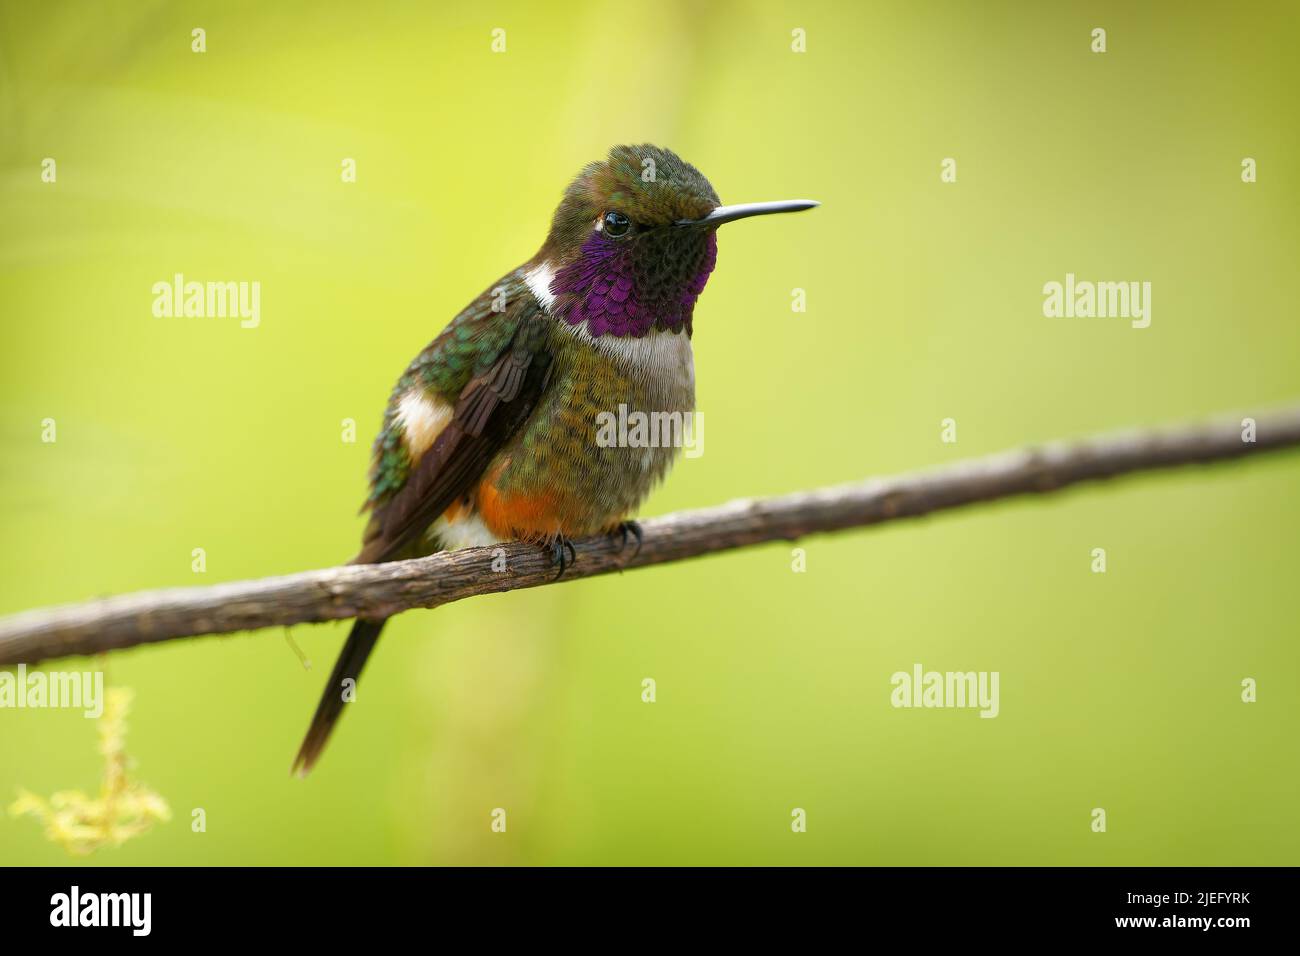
(361, 641)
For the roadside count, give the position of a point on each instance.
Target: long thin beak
(744, 210)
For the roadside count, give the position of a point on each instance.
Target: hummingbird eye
(616, 225)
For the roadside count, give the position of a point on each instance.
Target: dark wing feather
(490, 408)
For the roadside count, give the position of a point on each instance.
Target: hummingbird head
(633, 242)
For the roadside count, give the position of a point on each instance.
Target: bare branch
(385, 589)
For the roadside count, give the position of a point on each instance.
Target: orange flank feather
(518, 516)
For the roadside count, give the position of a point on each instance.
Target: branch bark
(382, 590)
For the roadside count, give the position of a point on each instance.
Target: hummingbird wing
(490, 365)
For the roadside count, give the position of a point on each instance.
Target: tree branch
(382, 590)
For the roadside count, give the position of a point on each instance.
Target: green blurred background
(1119, 691)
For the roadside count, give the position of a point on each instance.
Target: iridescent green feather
(468, 346)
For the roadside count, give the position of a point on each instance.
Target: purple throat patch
(603, 288)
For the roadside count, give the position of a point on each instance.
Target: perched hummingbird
(490, 432)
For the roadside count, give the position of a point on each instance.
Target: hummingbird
(490, 433)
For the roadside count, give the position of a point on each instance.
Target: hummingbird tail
(361, 641)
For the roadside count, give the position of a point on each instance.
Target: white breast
(660, 356)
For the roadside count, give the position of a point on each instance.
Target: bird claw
(629, 529)
(559, 546)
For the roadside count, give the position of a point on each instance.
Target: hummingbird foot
(625, 530)
(558, 548)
